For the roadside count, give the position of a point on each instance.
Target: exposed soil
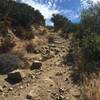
(51, 82)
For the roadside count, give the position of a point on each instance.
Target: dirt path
(52, 82)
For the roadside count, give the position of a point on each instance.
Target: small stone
(67, 98)
(57, 63)
(29, 96)
(18, 94)
(1, 89)
(36, 65)
(40, 58)
(21, 87)
(28, 84)
(32, 76)
(75, 93)
(61, 90)
(5, 85)
(50, 77)
(49, 91)
(10, 89)
(58, 73)
(62, 97)
(66, 79)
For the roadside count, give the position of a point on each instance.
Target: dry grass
(91, 88)
(30, 48)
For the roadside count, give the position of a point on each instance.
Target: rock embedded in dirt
(30, 97)
(58, 97)
(33, 94)
(59, 74)
(61, 90)
(75, 93)
(21, 87)
(1, 89)
(10, 89)
(36, 65)
(15, 77)
(5, 85)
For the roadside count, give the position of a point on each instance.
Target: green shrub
(61, 23)
(87, 53)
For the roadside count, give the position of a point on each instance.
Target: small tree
(60, 22)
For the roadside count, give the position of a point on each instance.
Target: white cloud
(71, 14)
(49, 7)
(95, 1)
(85, 3)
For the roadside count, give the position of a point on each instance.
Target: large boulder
(9, 62)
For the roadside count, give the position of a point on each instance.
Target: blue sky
(68, 8)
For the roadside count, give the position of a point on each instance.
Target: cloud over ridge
(49, 7)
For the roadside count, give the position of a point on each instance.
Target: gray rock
(21, 87)
(15, 77)
(36, 65)
(5, 85)
(75, 92)
(9, 62)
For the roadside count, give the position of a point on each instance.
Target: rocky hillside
(34, 69)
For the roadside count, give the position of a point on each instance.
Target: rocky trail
(51, 82)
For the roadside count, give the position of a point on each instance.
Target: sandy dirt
(51, 82)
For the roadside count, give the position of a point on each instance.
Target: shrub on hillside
(90, 48)
(87, 53)
(6, 45)
(9, 62)
(24, 33)
(22, 14)
(61, 23)
(31, 48)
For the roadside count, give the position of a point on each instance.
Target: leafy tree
(60, 22)
(88, 52)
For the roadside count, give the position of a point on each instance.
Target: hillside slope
(52, 81)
